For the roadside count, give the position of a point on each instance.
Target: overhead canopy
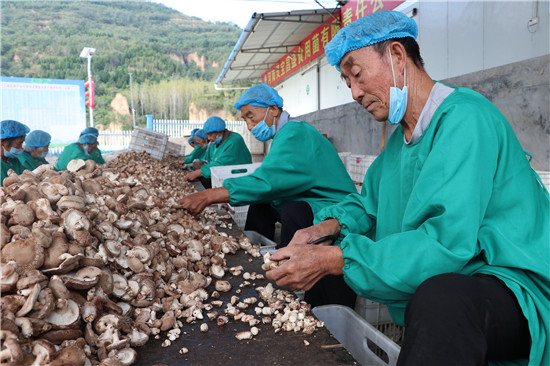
(267, 38)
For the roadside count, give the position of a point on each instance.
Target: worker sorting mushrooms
(287, 187)
(451, 228)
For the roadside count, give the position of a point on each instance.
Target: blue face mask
(398, 99)
(43, 154)
(86, 150)
(218, 140)
(262, 131)
(13, 153)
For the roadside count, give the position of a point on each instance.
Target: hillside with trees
(174, 59)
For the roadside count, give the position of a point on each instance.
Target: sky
(239, 11)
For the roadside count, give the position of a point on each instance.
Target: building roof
(266, 38)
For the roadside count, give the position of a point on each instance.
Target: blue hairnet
(374, 28)
(10, 129)
(214, 124)
(190, 140)
(194, 130)
(87, 139)
(90, 131)
(38, 138)
(199, 133)
(261, 95)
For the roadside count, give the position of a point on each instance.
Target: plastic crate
(255, 146)
(367, 344)
(221, 173)
(152, 142)
(544, 178)
(344, 156)
(357, 166)
(265, 244)
(174, 149)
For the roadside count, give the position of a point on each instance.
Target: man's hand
(308, 235)
(197, 165)
(195, 203)
(193, 175)
(306, 265)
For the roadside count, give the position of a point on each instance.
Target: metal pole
(132, 99)
(90, 81)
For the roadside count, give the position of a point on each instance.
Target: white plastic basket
(174, 149)
(154, 143)
(357, 166)
(265, 244)
(545, 178)
(358, 336)
(221, 173)
(344, 156)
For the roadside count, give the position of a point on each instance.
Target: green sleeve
(287, 172)
(70, 152)
(197, 154)
(232, 151)
(11, 164)
(28, 161)
(97, 156)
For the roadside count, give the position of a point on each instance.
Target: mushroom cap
(26, 252)
(126, 356)
(72, 355)
(44, 348)
(65, 317)
(22, 214)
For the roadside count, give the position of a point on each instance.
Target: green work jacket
(96, 156)
(14, 164)
(29, 162)
(70, 152)
(197, 154)
(302, 165)
(231, 151)
(463, 199)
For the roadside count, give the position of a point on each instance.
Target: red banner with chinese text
(314, 45)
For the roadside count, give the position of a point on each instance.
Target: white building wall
(455, 38)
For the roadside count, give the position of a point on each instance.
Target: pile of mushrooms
(95, 260)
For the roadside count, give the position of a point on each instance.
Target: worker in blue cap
(81, 149)
(95, 152)
(226, 148)
(12, 136)
(36, 148)
(199, 141)
(301, 174)
(451, 229)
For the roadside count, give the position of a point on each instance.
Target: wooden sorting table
(219, 346)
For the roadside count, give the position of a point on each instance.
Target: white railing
(183, 128)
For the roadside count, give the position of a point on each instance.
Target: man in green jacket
(81, 149)
(12, 135)
(200, 139)
(95, 153)
(301, 174)
(36, 148)
(226, 148)
(451, 229)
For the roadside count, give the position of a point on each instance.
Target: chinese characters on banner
(314, 45)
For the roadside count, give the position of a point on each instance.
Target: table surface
(219, 346)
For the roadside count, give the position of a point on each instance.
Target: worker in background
(199, 139)
(226, 148)
(301, 174)
(95, 153)
(36, 148)
(81, 149)
(12, 135)
(451, 229)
